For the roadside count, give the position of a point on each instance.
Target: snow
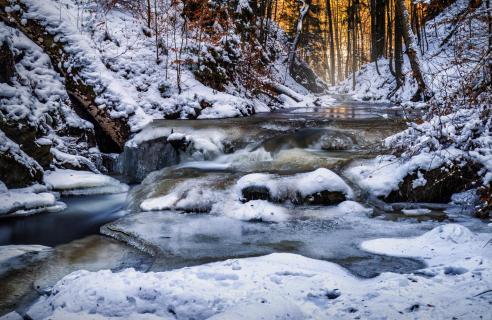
(37, 91)
(304, 184)
(36, 101)
(21, 202)
(72, 182)
(454, 285)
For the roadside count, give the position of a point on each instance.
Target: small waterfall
(136, 161)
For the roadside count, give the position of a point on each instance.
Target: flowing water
(284, 143)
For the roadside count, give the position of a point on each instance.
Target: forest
(245, 159)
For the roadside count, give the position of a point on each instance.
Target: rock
(324, 198)
(256, 193)
(17, 169)
(7, 67)
(441, 184)
(336, 141)
(26, 135)
(304, 75)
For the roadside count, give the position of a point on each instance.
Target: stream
(111, 232)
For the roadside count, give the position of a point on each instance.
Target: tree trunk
(149, 14)
(412, 52)
(398, 47)
(332, 42)
(295, 43)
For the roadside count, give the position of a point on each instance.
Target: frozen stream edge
(288, 286)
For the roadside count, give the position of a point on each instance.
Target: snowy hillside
(100, 61)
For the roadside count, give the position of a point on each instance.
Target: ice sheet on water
(72, 182)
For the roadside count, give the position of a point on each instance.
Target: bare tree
(412, 52)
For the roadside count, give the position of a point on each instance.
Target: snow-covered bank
(44, 198)
(311, 288)
(446, 244)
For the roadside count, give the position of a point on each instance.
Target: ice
(291, 285)
(187, 196)
(14, 251)
(12, 316)
(255, 210)
(3, 187)
(415, 212)
(22, 202)
(72, 182)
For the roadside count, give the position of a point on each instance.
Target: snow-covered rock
(321, 186)
(383, 174)
(72, 182)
